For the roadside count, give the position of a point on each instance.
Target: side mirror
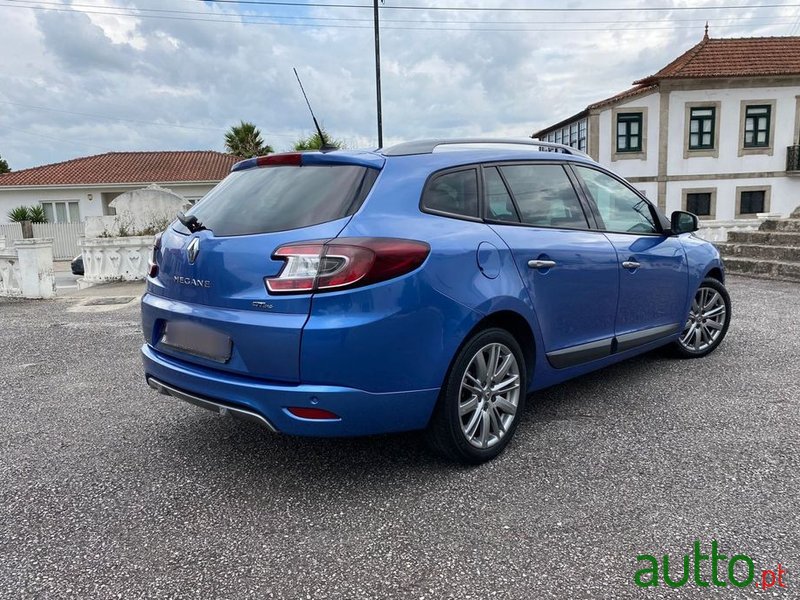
(683, 222)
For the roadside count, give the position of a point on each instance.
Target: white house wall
(630, 167)
(729, 160)
(11, 197)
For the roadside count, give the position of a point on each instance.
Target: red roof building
(81, 187)
(716, 131)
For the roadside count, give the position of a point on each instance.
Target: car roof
(435, 153)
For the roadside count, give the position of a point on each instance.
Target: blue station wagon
(430, 285)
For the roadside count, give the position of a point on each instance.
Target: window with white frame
(62, 211)
(573, 135)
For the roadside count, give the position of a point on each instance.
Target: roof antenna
(326, 147)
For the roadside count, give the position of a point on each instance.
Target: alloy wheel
(489, 395)
(706, 320)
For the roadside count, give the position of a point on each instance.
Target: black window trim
(628, 118)
(754, 143)
(688, 197)
(713, 118)
(510, 163)
(442, 213)
(658, 218)
(763, 193)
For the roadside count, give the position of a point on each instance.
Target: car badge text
(203, 283)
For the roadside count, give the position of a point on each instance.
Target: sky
(84, 77)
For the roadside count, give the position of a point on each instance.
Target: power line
(505, 8)
(92, 115)
(124, 120)
(49, 137)
(319, 26)
(139, 10)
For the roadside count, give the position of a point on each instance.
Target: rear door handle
(631, 264)
(541, 264)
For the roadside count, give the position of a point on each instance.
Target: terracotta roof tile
(734, 57)
(127, 167)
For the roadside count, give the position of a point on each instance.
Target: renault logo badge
(193, 249)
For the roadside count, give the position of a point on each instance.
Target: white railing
(26, 269)
(64, 235)
(9, 274)
(115, 259)
(717, 231)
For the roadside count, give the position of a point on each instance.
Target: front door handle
(631, 264)
(541, 264)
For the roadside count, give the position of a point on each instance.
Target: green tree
(244, 140)
(4, 168)
(19, 214)
(34, 214)
(313, 142)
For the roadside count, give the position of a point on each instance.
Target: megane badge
(193, 249)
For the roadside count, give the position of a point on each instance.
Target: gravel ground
(108, 490)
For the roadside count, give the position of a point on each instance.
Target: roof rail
(428, 146)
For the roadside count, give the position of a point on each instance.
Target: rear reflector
(152, 262)
(344, 263)
(312, 413)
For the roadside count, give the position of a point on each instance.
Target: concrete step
(772, 238)
(780, 225)
(764, 269)
(760, 252)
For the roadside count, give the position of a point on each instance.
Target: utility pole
(378, 74)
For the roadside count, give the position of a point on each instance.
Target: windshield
(269, 199)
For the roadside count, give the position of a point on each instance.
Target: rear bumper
(360, 412)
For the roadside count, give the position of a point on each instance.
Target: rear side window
(500, 206)
(268, 199)
(545, 196)
(454, 193)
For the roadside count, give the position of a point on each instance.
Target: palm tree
(245, 140)
(313, 142)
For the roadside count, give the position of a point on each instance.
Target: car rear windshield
(268, 199)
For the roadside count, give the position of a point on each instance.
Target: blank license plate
(197, 339)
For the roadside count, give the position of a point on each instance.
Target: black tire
(686, 350)
(446, 433)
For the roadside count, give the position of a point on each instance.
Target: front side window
(453, 193)
(621, 209)
(545, 196)
(756, 126)
(752, 202)
(699, 203)
(629, 132)
(701, 128)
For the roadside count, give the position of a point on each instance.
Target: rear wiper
(191, 223)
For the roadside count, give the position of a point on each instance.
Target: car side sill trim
(627, 341)
(583, 353)
(208, 404)
(575, 355)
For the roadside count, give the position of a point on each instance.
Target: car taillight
(152, 262)
(344, 263)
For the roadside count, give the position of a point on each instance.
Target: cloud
(192, 79)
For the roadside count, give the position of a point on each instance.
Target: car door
(570, 271)
(653, 268)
